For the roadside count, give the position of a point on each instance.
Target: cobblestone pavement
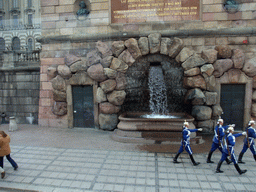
(65, 165)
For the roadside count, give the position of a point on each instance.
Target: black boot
(175, 158)
(209, 157)
(240, 158)
(254, 157)
(218, 167)
(228, 161)
(193, 161)
(239, 170)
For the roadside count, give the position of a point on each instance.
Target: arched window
(16, 43)
(30, 44)
(2, 44)
(15, 4)
(29, 3)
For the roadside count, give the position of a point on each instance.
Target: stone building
(20, 25)
(94, 66)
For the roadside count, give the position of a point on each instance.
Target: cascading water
(157, 87)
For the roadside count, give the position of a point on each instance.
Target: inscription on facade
(139, 11)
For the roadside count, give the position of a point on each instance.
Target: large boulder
(201, 112)
(192, 72)
(64, 71)
(119, 65)
(59, 95)
(126, 57)
(106, 61)
(143, 45)
(238, 58)
(207, 125)
(195, 97)
(93, 57)
(70, 59)
(254, 109)
(154, 42)
(250, 67)
(78, 66)
(100, 96)
(58, 83)
(216, 111)
(108, 121)
(195, 82)
(96, 72)
(108, 108)
(184, 54)
(175, 47)
(116, 97)
(120, 81)
(59, 108)
(193, 61)
(133, 47)
(224, 51)
(118, 47)
(207, 69)
(103, 49)
(210, 83)
(80, 78)
(211, 98)
(210, 55)
(165, 44)
(108, 85)
(221, 66)
(110, 73)
(52, 71)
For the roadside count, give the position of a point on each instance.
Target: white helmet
(219, 120)
(230, 128)
(185, 123)
(251, 122)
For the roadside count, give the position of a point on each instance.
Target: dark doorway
(83, 111)
(232, 103)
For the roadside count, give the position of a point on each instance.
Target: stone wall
(19, 94)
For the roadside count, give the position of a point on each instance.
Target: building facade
(20, 25)
(95, 59)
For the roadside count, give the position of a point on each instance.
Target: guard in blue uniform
(228, 150)
(217, 143)
(185, 143)
(249, 141)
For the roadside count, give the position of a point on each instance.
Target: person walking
(228, 150)
(217, 143)
(185, 143)
(5, 150)
(249, 141)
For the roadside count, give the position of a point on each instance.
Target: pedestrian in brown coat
(5, 150)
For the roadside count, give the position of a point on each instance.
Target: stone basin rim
(184, 116)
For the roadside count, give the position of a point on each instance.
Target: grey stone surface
(201, 112)
(143, 45)
(108, 121)
(154, 42)
(193, 61)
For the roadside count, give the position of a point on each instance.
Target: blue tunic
(251, 135)
(217, 139)
(185, 142)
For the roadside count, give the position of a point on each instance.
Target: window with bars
(15, 3)
(1, 4)
(30, 19)
(29, 3)
(30, 44)
(15, 20)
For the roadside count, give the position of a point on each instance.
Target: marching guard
(219, 133)
(249, 141)
(185, 143)
(228, 150)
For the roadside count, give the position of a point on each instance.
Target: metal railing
(26, 56)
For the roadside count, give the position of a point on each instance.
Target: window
(15, 21)
(30, 19)
(2, 44)
(29, 3)
(1, 4)
(16, 43)
(30, 44)
(1, 21)
(15, 4)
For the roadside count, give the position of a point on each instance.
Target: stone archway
(105, 68)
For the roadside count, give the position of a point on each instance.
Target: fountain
(158, 126)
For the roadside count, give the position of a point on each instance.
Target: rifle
(229, 154)
(219, 135)
(247, 137)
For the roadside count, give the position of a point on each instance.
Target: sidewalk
(76, 160)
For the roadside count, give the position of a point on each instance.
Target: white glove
(244, 133)
(233, 125)
(200, 129)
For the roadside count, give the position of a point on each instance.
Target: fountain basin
(134, 127)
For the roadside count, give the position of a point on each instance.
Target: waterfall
(158, 93)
